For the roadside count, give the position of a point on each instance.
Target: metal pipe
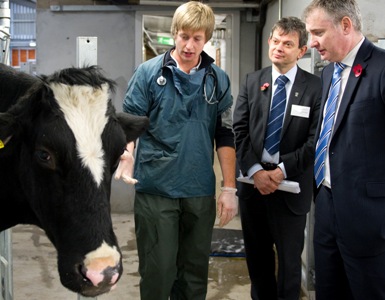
(6, 280)
(146, 6)
(259, 33)
(5, 25)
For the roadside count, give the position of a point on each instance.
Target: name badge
(300, 111)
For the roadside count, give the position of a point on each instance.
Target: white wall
(56, 42)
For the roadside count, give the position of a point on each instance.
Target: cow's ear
(8, 128)
(133, 126)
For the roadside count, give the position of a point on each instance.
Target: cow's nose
(105, 276)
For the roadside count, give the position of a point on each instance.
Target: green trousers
(174, 241)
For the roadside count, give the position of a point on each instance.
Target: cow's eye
(44, 158)
(43, 155)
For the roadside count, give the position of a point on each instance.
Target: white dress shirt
(266, 157)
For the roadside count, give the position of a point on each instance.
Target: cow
(60, 143)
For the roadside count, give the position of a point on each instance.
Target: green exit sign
(165, 40)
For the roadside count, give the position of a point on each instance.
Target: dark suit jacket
(297, 137)
(357, 153)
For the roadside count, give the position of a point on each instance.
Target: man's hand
(227, 205)
(125, 168)
(276, 175)
(267, 181)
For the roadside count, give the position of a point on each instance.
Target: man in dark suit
(273, 219)
(349, 233)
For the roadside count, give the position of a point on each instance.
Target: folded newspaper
(285, 185)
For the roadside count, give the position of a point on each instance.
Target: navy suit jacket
(357, 153)
(297, 137)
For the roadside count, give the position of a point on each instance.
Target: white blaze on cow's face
(84, 109)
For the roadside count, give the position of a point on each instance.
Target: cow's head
(63, 141)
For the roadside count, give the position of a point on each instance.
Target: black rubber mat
(227, 242)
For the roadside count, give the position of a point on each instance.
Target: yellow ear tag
(1, 144)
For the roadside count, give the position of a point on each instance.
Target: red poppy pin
(265, 86)
(357, 69)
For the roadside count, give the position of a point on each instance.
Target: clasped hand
(267, 182)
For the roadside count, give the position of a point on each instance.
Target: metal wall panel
(23, 23)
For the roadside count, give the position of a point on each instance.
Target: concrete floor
(35, 275)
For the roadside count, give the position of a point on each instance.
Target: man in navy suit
(271, 218)
(349, 234)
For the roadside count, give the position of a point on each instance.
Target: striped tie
(323, 140)
(274, 124)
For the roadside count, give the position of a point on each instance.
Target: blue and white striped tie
(328, 121)
(277, 112)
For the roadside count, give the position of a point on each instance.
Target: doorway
(153, 30)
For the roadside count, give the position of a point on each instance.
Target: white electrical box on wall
(86, 51)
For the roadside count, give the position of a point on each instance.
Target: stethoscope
(162, 81)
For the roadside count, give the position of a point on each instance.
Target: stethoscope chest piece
(161, 80)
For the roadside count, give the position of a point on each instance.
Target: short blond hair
(194, 16)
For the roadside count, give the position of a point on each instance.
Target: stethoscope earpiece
(161, 80)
